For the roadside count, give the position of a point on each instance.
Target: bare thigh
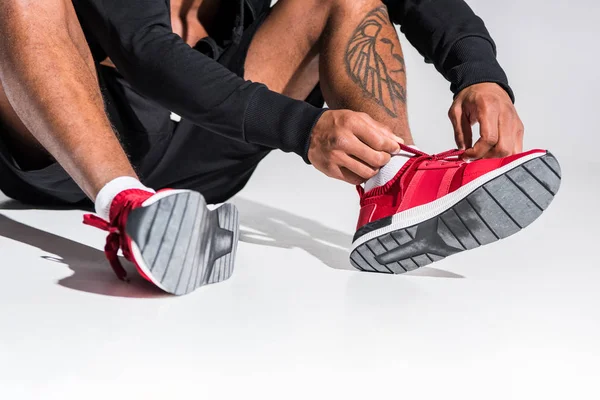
(284, 53)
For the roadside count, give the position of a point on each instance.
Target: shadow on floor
(10, 204)
(261, 225)
(91, 271)
(268, 226)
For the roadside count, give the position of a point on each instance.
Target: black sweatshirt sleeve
(138, 38)
(449, 35)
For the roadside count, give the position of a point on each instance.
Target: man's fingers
(382, 128)
(507, 131)
(510, 136)
(463, 133)
(455, 115)
(377, 136)
(385, 131)
(488, 126)
(358, 168)
(348, 176)
(467, 130)
(367, 155)
(518, 148)
(519, 139)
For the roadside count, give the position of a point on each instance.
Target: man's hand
(351, 146)
(500, 127)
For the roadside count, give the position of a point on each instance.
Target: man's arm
(138, 38)
(448, 34)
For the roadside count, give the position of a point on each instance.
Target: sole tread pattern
(494, 211)
(182, 244)
(190, 257)
(196, 275)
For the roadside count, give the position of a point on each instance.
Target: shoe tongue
(399, 175)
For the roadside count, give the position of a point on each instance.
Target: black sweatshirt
(137, 36)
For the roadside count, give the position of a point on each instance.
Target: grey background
(549, 50)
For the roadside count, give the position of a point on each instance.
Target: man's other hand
(351, 146)
(501, 129)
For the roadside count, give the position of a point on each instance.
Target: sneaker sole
(493, 210)
(180, 244)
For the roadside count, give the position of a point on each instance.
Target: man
(204, 89)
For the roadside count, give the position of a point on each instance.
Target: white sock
(389, 171)
(108, 193)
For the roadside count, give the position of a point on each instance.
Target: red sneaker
(439, 205)
(172, 238)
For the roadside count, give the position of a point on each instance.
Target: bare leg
(51, 99)
(351, 47)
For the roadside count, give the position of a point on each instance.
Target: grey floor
(518, 319)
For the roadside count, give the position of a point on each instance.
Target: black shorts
(164, 153)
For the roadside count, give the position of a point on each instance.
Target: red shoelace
(420, 156)
(449, 155)
(116, 239)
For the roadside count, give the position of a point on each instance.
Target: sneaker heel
(225, 238)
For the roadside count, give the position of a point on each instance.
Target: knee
(32, 16)
(48, 21)
(14, 12)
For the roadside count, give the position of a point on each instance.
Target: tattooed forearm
(371, 58)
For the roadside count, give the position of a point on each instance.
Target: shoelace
(449, 155)
(116, 239)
